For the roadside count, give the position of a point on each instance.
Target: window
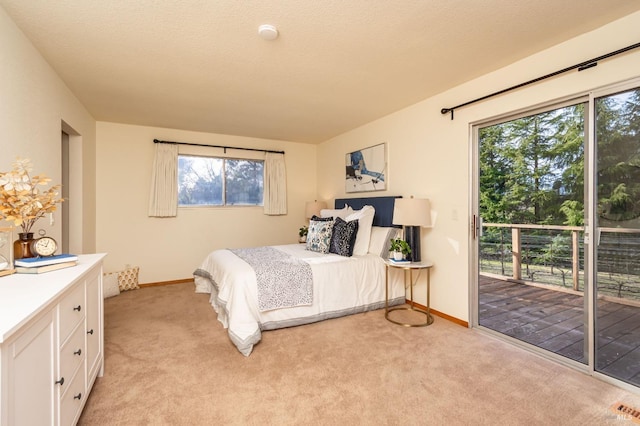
(532, 168)
(211, 181)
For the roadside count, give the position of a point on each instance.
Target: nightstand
(408, 271)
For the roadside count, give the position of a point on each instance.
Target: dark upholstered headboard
(383, 206)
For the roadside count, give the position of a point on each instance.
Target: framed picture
(366, 169)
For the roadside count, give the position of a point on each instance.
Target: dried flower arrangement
(22, 201)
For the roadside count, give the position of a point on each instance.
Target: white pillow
(110, 286)
(341, 213)
(364, 216)
(380, 240)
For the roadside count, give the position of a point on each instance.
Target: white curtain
(163, 199)
(275, 184)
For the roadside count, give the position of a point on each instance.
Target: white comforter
(341, 286)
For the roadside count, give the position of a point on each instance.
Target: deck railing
(618, 254)
(516, 243)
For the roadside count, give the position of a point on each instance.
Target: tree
(531, 165)
(618, 142)
(199, 181)
(574, 212)
(244, 181)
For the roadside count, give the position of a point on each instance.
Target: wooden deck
(554, 320)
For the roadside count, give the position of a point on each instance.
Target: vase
(397, 255)
(22, 246)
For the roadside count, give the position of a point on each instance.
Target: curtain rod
(581, 67)
(218, 146)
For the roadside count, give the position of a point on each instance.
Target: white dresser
(51, 343)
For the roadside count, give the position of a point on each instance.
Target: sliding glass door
(557, 230)
(617, 130)
(531, 202)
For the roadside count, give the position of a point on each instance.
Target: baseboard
(161, 283)
(433, 311)
(442, 315)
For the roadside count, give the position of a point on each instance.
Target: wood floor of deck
(554, 320)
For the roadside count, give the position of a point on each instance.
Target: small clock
(44, 246)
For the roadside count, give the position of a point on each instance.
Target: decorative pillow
(322, 219)
(365, 221)
(344, 237)
(341, 213)
(128, 279)
(110, 286)
(381, 240)
(319, 235)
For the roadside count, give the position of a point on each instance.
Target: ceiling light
(268, 32)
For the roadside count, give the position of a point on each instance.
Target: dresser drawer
(72, 353)
(72, 401)
(71, 311)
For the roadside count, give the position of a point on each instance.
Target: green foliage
(618, 138)
(532, 171)
(557, 255)
(531, 165)
(400, 245)
(574, 212)
(532, 168)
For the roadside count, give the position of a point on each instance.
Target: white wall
(429, 154)
(33, 104)
(169, 249)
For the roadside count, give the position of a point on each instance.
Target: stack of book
(399, 262)
(38, 265)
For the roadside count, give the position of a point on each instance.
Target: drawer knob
(77, 308)
(78, 352)
(90, 331)
(78, 396)
(60, 382)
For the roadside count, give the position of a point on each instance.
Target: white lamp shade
(412, 212)
(313, 208)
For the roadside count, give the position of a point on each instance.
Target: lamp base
(412, 237)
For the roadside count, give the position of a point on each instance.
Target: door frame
(593, 230)
(590, 248)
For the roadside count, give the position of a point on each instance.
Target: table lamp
(412, 214)
(313, 208)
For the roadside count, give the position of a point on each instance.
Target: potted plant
(302, 232)
(399, 248)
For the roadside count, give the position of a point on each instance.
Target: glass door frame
(590, 227)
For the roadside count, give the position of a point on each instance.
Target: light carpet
(168, 361)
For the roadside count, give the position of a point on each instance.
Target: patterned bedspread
(283, 281)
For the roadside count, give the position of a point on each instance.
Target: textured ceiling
(200, 65)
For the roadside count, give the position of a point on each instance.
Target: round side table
(408, 268)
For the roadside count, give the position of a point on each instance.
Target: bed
(247, 290)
